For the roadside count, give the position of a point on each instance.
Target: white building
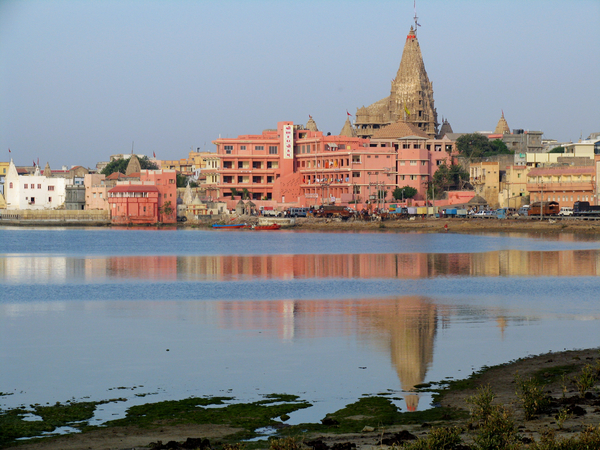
(33, 191)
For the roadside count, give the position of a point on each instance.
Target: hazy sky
(81, 80)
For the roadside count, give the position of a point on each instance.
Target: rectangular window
(165, 196)
(25, 187)
(242, 147)
(413, 163)
(228, 149)
(423, 163)
(272, 149)
(100, 194)
(49, 199)
(355, 174)
(39, 186)
(259, 147)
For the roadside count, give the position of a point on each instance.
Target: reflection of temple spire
(411, 323)
(501, 324)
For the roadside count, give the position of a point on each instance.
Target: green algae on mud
(17, 423)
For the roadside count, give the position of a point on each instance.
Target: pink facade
(166, 183)
(294, 165)
(145, 201)
(134, 203)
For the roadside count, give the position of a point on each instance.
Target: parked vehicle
(544, 208)
(502, 213)
(269, 211)
(584, 209)
(565, 211)
(523, 210)
(298, 212)
(333, 211)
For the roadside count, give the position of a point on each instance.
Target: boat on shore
(231, 226)
(273, 226)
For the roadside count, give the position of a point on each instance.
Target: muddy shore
(558, 373)
(442, 225)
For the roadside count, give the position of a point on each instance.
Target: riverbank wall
(54, 217)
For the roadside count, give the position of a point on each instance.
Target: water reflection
(57, 269)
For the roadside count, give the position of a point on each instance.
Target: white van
(565, 211)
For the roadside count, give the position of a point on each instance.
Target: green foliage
(234, 192)
(586, 379)
(409, 192)
(442, 438)
(531, 394)
(587, 440)
(166, 209)
(451, 177)
(495, 426)
(475, 145)
(499, 148)
(558, 149)
(120, 165)
(482, 403)
(287, 443)
(245, 194)
(381, 194)
(181, 180)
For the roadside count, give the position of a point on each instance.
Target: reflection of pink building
(297, 164)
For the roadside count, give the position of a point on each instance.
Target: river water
(148, 315)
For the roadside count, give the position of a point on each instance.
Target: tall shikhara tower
(410, 99)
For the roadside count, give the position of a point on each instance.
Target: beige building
(485, 178)
(513, 189)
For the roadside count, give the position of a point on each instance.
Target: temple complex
(410, 99)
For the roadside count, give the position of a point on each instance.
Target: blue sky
(81, 80)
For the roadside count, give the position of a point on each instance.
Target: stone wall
(54, 216)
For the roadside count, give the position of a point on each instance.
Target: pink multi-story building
(295, 164)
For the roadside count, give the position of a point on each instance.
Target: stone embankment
(54, 217)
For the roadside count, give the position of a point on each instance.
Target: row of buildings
(138, 197)
(393, 143)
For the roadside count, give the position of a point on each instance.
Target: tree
(500, 148)
(477, 145)
(245, 194)
(181, 180)
(166, 209)
(120, 165)
(448, 178)
(473, 145)
(404, 192)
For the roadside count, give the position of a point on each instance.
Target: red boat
(274, 226)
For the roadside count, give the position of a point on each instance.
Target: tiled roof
(399, 130)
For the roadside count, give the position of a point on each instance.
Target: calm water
(150, 315)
